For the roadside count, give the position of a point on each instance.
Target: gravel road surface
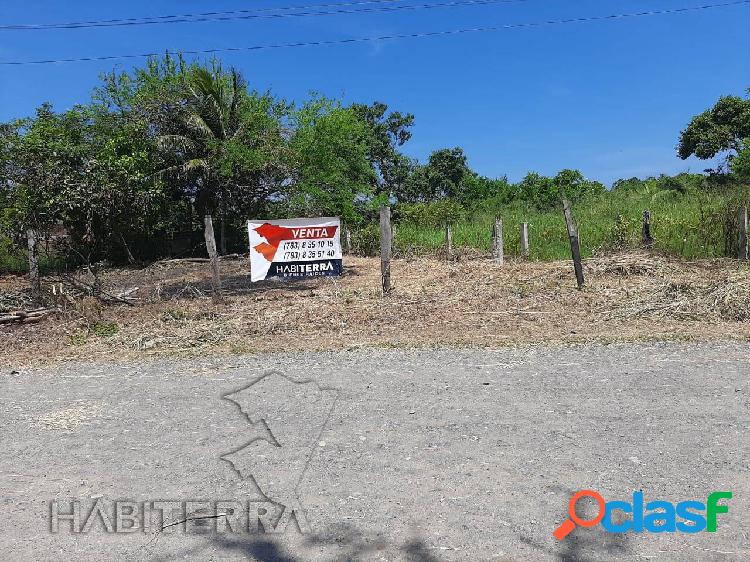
(375, 454)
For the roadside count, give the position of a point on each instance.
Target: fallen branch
(98, 293)
(25, 316)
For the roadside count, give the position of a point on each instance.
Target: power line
(202, 14)
(388, 37)
(234, 15)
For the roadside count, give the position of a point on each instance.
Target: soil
(467, 301)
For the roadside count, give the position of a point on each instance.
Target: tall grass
(694, 225)
(14, 260)
(11, 260)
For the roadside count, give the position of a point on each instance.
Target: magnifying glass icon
(569, 524)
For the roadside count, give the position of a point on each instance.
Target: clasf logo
(653, 517)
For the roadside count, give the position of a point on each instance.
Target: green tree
(384, 133)
(115, 198)
(573, 185)
(222, 147)
(447, 170)
(43, 156)
(446, 174)
(627, 185)
(84, 170)
(479, 188)
(332, 170)
(537, 190)
(546, 193)
(719, 130)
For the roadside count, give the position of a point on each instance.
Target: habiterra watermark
(285, 421)
(195, 517)
(653, 517)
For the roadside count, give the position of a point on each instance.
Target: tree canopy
(723, 129)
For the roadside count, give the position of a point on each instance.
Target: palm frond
(175, 143)
(182, 169)
(197, 124)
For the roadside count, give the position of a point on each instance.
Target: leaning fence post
(525, 239)
(214, 256)
(742, 251)
(575, 248)
(386, 247)
(497, 241)
(36, 284)
(448, 239)
(647, 241)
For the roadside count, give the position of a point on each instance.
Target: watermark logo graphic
(288, 418)
(569, 524)
(653, 517)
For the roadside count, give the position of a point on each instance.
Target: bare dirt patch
(467, 302)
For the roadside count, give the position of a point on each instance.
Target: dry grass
(70, 418)
(468, 302)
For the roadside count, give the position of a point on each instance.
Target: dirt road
(382, 455)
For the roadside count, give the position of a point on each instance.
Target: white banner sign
(295, 248)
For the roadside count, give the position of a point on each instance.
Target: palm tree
(208, 120)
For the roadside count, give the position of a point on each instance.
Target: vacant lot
(470, 301)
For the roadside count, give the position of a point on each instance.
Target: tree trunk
(36, 283)
(214, 257)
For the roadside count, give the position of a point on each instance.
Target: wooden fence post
(497, 241)
(647, 241)
(575, 248)
(525, 240)
(36, 283)
(348, 240)
(386, 247)
(742, 251)
(214, 256)
(448, 240)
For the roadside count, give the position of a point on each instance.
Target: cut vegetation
(469, 301)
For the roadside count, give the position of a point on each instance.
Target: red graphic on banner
(277, 234)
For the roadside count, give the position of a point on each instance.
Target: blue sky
(608, 98)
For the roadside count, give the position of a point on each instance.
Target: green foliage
(694, 224)
(720, 129)
(104, 329)
(97, 329)
(446, 175)
(366, 240)
(159, 146)
(546, 193)
(622, 232)
(11, 260)
(434, 215)
(741, 163)
(383, 133)
(42, 158)
(332, 168)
